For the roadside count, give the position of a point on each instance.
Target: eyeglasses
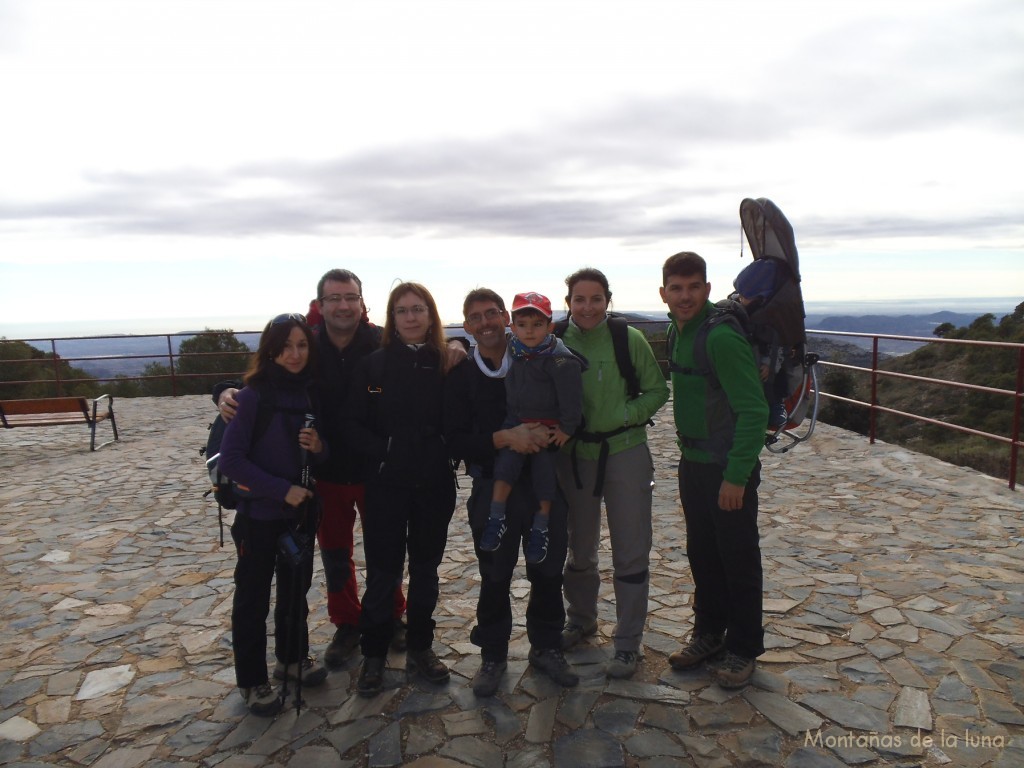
(415, 309)
(289, 317)
(490, 315)
(340, 298)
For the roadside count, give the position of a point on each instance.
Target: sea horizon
(33, 330)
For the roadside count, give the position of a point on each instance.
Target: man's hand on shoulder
(730, 496)
(227, 405)
(458, 350)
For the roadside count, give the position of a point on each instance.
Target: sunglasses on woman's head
(291, 316)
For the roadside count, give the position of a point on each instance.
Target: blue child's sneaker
(537, 546)
(490, 540)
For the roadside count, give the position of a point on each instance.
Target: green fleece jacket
(733, 360)
(606, 403)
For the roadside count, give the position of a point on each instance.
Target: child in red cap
(543, 385)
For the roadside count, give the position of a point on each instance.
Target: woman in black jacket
(395, 408)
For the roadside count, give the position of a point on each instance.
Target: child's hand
(558, 437)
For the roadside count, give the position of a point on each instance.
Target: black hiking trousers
(402, 520)
(545, 612)
(259, 561)
(725, 558)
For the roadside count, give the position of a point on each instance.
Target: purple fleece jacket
(273, 464)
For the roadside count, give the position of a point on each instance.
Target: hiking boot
(574, 633)
(313, 672)
(733, 671)
(490, 539)
(371, 677)
(262, 700)
(427, 665)
(551, 661)
(623, 664)
(700, 647)
(488, 677)
(342, 646)
(537, 546)
(399, 639)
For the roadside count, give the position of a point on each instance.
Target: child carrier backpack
(619, 330)
(778, 318)
(771, 237)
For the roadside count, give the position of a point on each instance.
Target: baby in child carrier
(755, 286)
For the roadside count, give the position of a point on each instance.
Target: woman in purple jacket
(264, 450)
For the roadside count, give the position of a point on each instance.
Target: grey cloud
(498, 188)
(624, 172)
(869, 78)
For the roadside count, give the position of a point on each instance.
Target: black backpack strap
(619, 329)
(583, 436)
(729, 312)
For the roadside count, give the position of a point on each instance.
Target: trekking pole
(298, 574)
(303, 555)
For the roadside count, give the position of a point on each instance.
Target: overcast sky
(206, 159)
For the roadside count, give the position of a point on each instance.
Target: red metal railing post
(56, 366)
(872, 413)
(1015, 435)
(170, 361)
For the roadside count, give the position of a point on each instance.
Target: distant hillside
(136, 352)
(895, 325)
(841, 351)
(990, 367)
(143, 350)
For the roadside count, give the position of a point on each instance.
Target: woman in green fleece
(609, 462)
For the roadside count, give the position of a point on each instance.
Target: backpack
(726, 311)
(720, 418)
(225, 492)
(619, 329)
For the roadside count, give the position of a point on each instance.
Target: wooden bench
(55, 411)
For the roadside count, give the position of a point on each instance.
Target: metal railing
(876, 373)
(171, 358)
(167, 356)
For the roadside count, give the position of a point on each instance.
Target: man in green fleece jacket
(721, 431)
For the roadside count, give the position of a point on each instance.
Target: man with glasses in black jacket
(474, 412)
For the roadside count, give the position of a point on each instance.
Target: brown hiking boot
(551, 661)
(573, 634)
(699, 648)
(427, 665)
(262, 700)
(371, 677)
(342, 646)
(488, 678)
(733, 671)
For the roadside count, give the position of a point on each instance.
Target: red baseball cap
(532, 300)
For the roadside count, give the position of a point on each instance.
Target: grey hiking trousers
(627, 497)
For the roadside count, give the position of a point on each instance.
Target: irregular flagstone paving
(894, 618)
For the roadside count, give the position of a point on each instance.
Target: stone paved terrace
(895, 626)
